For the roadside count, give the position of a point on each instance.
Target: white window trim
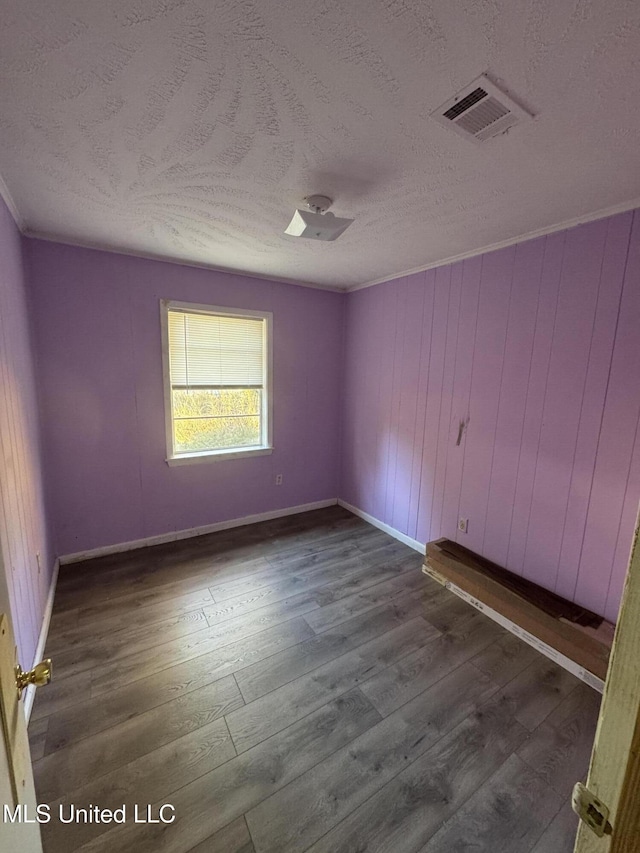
(264, 449)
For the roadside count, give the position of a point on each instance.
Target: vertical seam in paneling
(526, 401)
(385, 514)
(392, 299)
(441, 397)
(399, 410)
(341, 396)
(381, 480)
(379, 419)
(604, 408)
(396, 377)
(467, 407)
(372, 356)
(495, 426)
(584, 391)
(453, 380)
(411, 528)
(544, 401)
(426, 402)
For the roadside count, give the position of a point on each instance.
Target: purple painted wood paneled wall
(538, 346)
(531, 354)
(23, 525)
(97, 329)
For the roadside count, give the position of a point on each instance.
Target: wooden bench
(576, 638)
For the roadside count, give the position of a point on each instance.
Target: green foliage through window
(206, 419)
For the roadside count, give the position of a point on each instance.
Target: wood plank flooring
(299, 685)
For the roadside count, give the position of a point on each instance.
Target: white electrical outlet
(278, 479)
(463, 525)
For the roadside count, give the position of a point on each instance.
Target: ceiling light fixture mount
(315, 223)
(318, 203)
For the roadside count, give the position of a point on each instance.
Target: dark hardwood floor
(300, 685)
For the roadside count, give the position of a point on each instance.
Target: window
(217, 365)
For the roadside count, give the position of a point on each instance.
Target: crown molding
(602, 213)
(623, 207)
(13, 210)
(149, 256)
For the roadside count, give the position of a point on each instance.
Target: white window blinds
(212, 351)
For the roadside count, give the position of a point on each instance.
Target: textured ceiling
(190, 129)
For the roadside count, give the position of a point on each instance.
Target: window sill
(217, 455)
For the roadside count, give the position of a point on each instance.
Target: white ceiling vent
(480, 110)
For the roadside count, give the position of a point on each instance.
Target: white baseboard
(401, 537)
(30, 692)
(175, 535)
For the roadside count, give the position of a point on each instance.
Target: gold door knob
(40, 675)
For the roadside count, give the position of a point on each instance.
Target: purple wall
(23, 525)
(539, 346)
(97, 322)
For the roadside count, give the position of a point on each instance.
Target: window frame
(266, 447)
